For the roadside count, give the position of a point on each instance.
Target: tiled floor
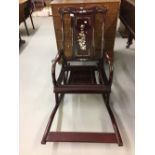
(37, 99)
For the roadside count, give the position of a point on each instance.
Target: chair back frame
(83, 32)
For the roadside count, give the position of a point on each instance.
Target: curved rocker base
(96, 137)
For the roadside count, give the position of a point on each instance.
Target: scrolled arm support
(110, 63)
(54, 62)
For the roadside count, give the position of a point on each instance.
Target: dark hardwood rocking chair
(87, 45)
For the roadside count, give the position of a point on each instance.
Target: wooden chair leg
(47, 130)
(130, 38)
(115, 127)
(21, 41)
(26, 27)
(32, 21)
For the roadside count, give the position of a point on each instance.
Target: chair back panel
(86, 44)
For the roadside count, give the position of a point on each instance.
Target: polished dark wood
(127, 17)
(50, 120)
(81, 137)
(82, 78)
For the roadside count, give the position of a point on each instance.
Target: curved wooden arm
(54, 62)
(110, 62)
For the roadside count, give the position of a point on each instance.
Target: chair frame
(103, 89)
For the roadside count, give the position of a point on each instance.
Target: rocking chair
(86, 46)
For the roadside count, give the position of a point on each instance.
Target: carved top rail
(81, 10)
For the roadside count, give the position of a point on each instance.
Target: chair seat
(81, 79)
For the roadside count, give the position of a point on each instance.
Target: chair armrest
(54, 62)
(109, 60)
